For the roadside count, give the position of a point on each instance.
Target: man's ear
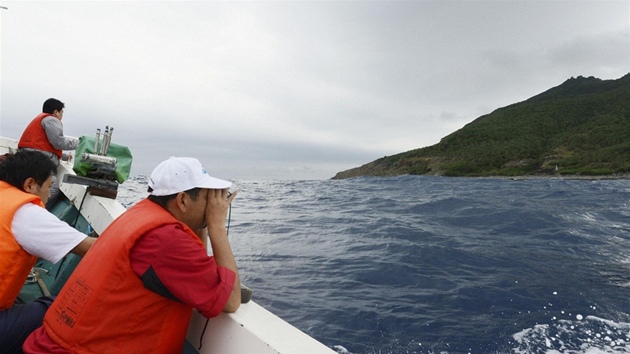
(29, 185)
(181, 202)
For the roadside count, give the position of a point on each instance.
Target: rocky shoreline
(592, 178)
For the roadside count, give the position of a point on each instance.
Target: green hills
(580, 128)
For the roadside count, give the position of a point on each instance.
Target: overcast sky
(288, 89)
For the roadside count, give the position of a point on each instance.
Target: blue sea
(418, 264)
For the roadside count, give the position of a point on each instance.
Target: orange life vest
(34, 136)
(105, 308)
(15, 262)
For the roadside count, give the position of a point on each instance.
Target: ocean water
(417, 264)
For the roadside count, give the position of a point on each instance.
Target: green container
(121, 153)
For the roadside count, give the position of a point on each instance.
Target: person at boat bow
(28, 232)
(45, 134)
(136, 288)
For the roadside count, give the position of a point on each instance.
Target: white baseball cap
(179, 174)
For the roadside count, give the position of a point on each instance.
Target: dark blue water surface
(439, 265)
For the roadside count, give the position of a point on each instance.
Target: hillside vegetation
(580, 128)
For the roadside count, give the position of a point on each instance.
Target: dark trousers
(19, 321)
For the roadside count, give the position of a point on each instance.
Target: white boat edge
(251, 329)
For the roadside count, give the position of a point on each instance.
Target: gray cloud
(294, 90)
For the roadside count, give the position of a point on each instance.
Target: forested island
(580, 128)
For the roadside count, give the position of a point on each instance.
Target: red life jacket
(34, 137)
(105, 308)
(15, 262)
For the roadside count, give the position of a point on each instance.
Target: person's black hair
(162, 200)
(51, 105)
(17, 168)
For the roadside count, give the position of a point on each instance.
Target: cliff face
(581, 127)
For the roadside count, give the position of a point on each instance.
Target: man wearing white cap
(135, 289)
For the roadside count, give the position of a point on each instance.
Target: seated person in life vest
(45, 134)
(135, 290)
(28, 231)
